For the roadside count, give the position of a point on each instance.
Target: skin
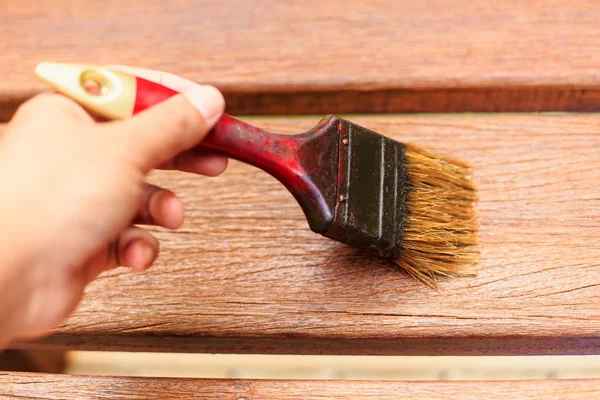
(72, 189)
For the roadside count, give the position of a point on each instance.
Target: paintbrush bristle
(440, 231)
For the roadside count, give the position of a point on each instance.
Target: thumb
(161, 132)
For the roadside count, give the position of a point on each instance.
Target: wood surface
(245, 274)
(274, 57)
(66, 387)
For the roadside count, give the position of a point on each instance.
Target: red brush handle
(271, 152)
(292, 159)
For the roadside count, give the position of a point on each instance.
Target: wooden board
(278, 57)
(65, 387)
(245, 274)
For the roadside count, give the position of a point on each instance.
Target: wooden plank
(292, 58)
(278, 366)
(65, 387)
(245, 274)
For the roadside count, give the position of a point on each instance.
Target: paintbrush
(354, 185)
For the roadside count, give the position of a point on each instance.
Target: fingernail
(208, 101)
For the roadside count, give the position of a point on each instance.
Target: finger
(106, 259)
(52, 104)
(198, 161)
(137, 249)
(170, 127)
(160, 207)
(171, 81)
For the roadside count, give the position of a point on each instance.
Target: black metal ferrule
(372, 191)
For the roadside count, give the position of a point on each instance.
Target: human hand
(71, 189)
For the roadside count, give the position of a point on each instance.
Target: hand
(71, 189)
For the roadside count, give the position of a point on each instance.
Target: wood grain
(245, 274)
(65, 387)
(293, 58)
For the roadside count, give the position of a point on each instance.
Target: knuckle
(45, 99)
(34, 105)
(31, 104)
(50, 103)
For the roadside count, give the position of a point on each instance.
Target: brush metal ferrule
(372, 190)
